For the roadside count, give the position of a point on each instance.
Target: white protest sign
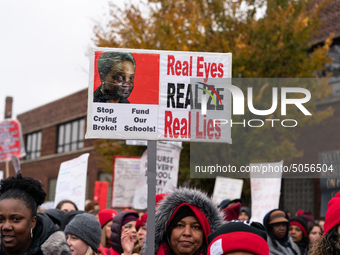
(167, 164)
(71, 182)
(226, 188)
(125, 176)
(158, 101)
(265, 182)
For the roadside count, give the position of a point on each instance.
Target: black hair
(105, 61)
(60, 204)
(310, 226)
(25, 189)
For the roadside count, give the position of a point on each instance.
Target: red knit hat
(332, 218)
(239, 236)
(106, 215)
(232, 212)
(141, 222)
(299, 212)
(202, 219)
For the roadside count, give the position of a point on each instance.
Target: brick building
(54, 133)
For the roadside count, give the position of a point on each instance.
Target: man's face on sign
(118, 84)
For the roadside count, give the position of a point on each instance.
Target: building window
(33, 145)
(298, 194)
(71, 136)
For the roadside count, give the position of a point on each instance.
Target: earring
(31, 233)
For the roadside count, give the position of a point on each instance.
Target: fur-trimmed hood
(192, 197)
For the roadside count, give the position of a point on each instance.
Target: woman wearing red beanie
(239, 237)
(298, 232)
(141, 232)
(105, 219)
(329, 243)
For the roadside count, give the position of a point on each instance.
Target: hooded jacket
(43, 230)
(56, 215)
(284, 247)
(205, 210)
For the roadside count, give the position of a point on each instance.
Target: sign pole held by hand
(7, 168)
(152, 156)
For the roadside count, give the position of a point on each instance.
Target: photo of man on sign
(117, 72)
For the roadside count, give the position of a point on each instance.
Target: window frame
(66, 140)
(33, 145)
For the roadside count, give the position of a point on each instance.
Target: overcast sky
(44, 46)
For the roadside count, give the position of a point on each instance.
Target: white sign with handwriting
(265, 191)
(71, 182)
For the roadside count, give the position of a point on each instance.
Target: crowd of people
(187, 222)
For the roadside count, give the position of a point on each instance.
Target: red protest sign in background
(11, 143)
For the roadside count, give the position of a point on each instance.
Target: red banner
(100, 193)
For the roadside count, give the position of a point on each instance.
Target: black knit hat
(226, 202)
(86, 227)
(240, 226)
(301, 222)
(68, 217)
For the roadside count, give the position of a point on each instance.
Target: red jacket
(107, 251)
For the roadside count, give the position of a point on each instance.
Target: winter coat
(56, 215)
(44, 229)
(206, 212)
(116, 228)
(110, 251)
(280, 249)
(107, 251)
(303, 247)
(285, 246)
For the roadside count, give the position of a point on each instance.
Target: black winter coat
(42, 231)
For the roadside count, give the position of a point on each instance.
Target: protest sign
(265, 191)
(330, 180)
(226, 188)
(16, 164)
(100, 193)
(125, 175)
(167, 165)
(11, 142)
(152, 98)
(71, 181)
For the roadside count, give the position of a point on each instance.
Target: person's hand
(127, 242)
